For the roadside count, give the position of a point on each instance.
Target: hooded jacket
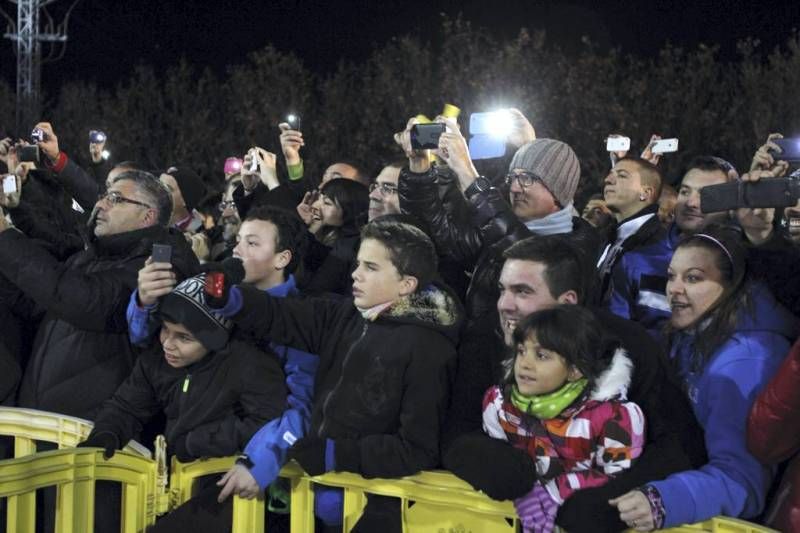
(382, 385)
(213, 406)
(81, 351)
(733, 483)
(597, 436)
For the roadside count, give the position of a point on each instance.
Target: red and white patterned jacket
(585, 445)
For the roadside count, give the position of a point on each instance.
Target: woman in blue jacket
(727, 338)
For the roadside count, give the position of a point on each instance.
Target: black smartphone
(162, 253)
(294, 121)
(790, 150)
(426, 136)
(29, 153)
(767, 192)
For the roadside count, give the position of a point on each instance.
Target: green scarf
(547, 406)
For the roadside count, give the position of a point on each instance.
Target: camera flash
(500, 124)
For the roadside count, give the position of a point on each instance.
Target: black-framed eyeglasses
(115, 198)
(222, 206)
(385, 189)
(524, 179)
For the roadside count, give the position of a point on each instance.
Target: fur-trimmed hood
(435, 307)
(613, 383)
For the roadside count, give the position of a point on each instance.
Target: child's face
(263, 267)
(376, 279)
(180, 347)
(540, 371)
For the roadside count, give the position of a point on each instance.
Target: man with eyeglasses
(471, 220)
(383, 198)
(81, 351)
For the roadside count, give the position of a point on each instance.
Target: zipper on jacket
(184, 391)
(339, 381)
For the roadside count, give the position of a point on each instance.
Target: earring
(642, 197)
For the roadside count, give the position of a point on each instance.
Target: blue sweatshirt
(267, 449)
(733, 483)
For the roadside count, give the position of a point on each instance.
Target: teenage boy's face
(180, 347)
(263, 267)
(376, 279)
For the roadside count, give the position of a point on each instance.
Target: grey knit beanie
(552, 161)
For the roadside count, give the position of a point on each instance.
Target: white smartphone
(618, 144)
(9, 184)
(664, 146)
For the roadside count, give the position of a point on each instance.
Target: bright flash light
(499, 124)
(291, 118)
(105, 154)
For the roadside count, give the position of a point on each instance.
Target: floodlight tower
(28, 38)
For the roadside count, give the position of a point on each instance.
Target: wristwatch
(480, 184)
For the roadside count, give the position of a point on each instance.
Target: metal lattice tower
(28, 38)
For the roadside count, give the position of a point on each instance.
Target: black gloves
(220, 277)
(310, 453)
(588, 511)
(104, 439)
(491, 465)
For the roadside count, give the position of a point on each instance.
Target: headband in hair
(718, 243)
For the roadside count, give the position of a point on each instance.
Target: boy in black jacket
(216, 391)
(386, 362)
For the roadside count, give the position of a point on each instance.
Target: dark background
(108, 37)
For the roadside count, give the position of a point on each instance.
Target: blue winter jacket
(267, 449)
(636, 289)
(733, 483)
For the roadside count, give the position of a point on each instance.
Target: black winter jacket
(212, 407)
(476, 231)
(81, 351)
(45, 213)
(382, 386)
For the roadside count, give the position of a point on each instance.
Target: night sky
(108, 37)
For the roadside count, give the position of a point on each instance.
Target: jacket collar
(124, 243)
(615, 381)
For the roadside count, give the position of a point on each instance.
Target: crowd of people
(631, 362)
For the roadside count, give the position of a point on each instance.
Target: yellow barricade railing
(74, 472)
(434, 501)
(30, 425)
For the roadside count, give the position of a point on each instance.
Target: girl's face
(540, 371)
(694, 284)
(327, 211)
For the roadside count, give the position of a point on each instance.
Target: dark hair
(353, 199)
(129, 165)
(411, 251)
(153, 190)
(292, 234)
(650, 174)
(563, 270)
(709, 163)
(571, 331)
(361, 176)
(730, 258)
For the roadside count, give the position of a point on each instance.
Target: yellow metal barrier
(30, 425)
(433, 501)
(74, 473)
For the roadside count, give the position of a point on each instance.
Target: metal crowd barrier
(433, 501)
